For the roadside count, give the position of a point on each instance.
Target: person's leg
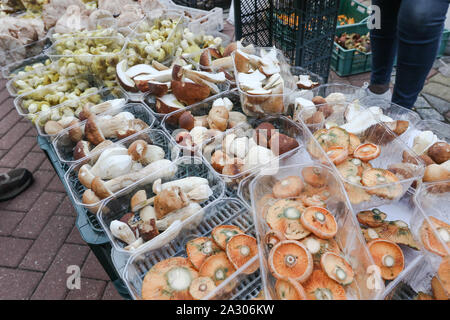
(384, 45)
(420, 25)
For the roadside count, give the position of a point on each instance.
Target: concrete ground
(38, 237)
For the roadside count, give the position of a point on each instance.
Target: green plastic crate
(348, 62)
(444, 42)
(353, 9)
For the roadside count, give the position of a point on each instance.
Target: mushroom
(169, 200)
(81, 150)
(187, 121)
(185, 184)
(110, 105)
(120, 126)
(235, 118)
(85, 176)
(189, 92)
(305, 82)
(141, 151)
(52, 127)
(95, 152)
(168, 103)
(91, 200)
(122, 231)
(124, 80)
(155, 170)
(193, 208)
(218, 118)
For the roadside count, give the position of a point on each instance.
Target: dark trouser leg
(420, 25)
(384, 42)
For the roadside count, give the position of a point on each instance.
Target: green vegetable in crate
(354, 41)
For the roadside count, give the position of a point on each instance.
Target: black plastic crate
(303, 29)
(204, 4)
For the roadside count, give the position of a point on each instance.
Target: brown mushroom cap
(205, 60)
(137, 149)
(81, 150)
(89, 198)
(100, 188)
(137, 199)
(92, 131)
(85, 176)
(157, 89)
(229, 49)
(85, 112)
(75, 131)
(52, 127)
(188, 92)
(186, 121)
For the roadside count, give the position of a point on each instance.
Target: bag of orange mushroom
(310, 242)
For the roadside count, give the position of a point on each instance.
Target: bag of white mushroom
(193, 126)
(160, 215)
(118, 165)
(264, 80)
(248, 147)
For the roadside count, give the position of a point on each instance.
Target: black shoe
(14, 183)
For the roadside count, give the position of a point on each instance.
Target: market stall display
(216, 170)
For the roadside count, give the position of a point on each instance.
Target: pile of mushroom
(356, 119)
(122, 167)
(244, 149)
(175, 200)
(260, 78)
(304, 82)
(200, 128)
(435, 153)
(53, 127)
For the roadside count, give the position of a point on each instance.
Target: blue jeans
(412, 29)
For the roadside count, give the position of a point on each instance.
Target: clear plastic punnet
(26, 65)
(69, 110)
(430, 223)
(186, 167)
(84, 196)
(351, 93)
(32, 103)
(392, 110)
(243, 284)
(348, 241)
(399, 226)
(65, 143)
(22, 55)
(173, 126)
(260, 103)
(96, 55)
(419, 283)
(235, 154)
(328, 97)
(372, 170)
(104, 27)
(145, 45)
(38, 76)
